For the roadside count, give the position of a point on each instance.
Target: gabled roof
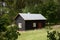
(32, 16)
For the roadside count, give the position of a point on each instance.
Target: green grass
(40, 34)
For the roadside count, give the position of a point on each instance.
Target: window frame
(20, 25)
(34, 24)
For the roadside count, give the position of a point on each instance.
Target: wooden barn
(30, 21)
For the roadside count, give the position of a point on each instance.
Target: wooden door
(39, 25)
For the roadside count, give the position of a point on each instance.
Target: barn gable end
(20, 20)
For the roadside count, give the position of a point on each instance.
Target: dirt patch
(56, 26)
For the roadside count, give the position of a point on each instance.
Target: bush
(10, 34)
(7, 31)
(54, 35)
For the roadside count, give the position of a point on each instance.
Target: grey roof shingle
(32, 16)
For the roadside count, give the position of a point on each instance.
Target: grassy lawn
(40, 34)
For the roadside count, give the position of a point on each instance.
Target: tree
(49, 10)
(7, 32)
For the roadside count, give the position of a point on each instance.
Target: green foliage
(58, 36)
(49, 10)
(33, 9)
(51, 35)
(7, 31)
(9, 34)
(54, 35)
(4, 21)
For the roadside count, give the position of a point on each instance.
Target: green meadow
(38, 34)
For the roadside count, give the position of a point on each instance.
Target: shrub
(54, 35)
(10, 34)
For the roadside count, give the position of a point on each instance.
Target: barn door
(39, 25)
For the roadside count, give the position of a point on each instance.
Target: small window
(34, 24)
(20, 25)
